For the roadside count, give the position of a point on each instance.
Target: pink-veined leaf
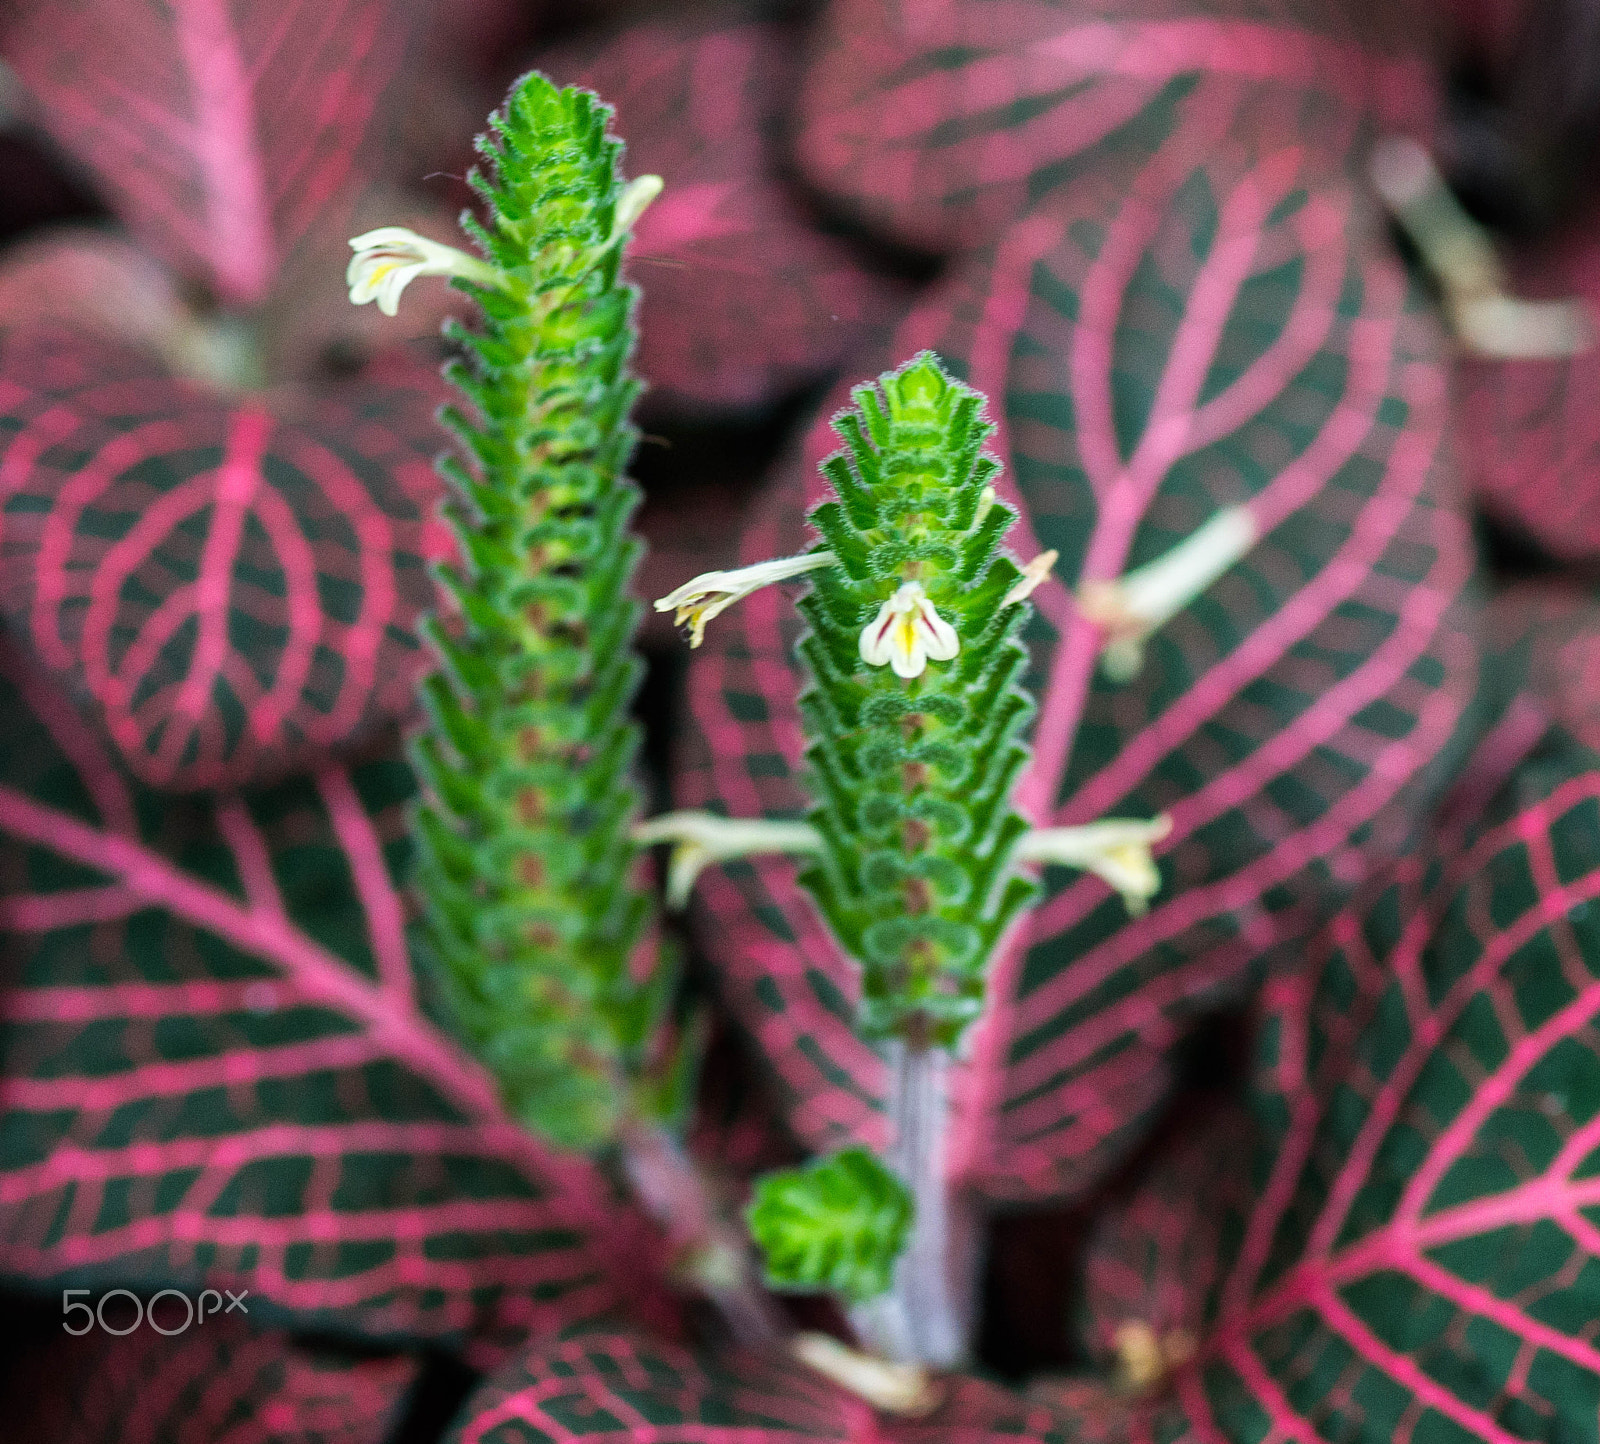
(210, 1383)
(216, 1065)
(1531, 436)
(1210, 321)
(1152, 1256)
(1546, 636)
(1530, 430)
(1421, 1259)
(88, 280)
(227, 591)
(627, 1389)
(746, 297)
(939, 121)
(219, 130)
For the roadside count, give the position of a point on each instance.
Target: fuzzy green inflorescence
(912, 776)
(526, 868)
(837, 1224)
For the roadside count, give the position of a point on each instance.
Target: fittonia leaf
(608, 1387)
(218, 1069)
(1419, 1260)
(230, 593)
(219, 134)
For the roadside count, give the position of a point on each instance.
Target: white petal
(393, 283)
(365, 271)
(907, 655)
(689, 859)
(939, 639)
(877, 640)
(386, 237)
(1131, 871)
(906, 632)
(632, 202)
(355, 273)
(705, 585)
(697, 614)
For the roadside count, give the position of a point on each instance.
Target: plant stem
(709, 1251)
(926, 1318)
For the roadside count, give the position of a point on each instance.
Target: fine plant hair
(533, 913)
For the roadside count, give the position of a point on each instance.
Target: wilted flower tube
(1132, 607)
(1032, 575)
(710, 594)
(1115, 849)
(1486, 319)
(700, 839)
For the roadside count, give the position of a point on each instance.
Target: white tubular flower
(700, 839)
(390, 258)
(1115, 849)
(907, 632)
(1032, 574)
(632, 203)
(1502, 328)
(904, 1389)
(1132, 607)
(1145, 1359)
(1454, 246)
(712, 593)
(1460, 253)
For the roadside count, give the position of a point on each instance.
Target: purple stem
(709, 1251)
(926, 1317)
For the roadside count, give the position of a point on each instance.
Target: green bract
(839, 1223)
(912, 775)
(526, 866)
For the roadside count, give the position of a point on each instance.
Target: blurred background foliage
(760, 292)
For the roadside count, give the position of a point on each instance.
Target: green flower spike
(913, 710)
(526, 864)
(914, 714)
